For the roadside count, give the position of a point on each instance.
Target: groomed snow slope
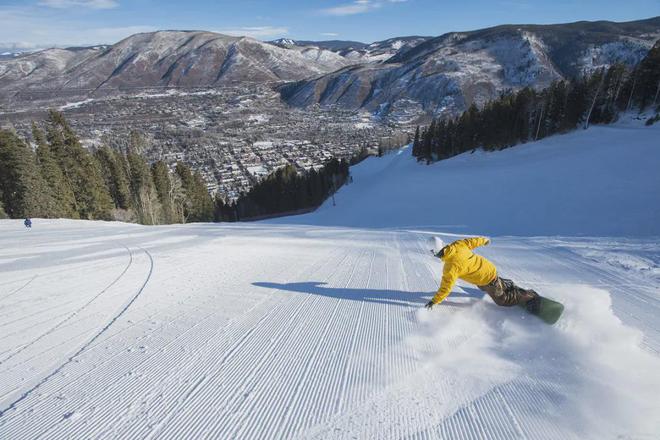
(305, 331)
(602, 181)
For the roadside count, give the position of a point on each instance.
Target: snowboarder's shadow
(381, 296)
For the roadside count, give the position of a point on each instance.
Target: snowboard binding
(533, 306)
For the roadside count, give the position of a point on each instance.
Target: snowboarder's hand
(429, 305)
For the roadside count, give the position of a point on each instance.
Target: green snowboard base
(548, 310)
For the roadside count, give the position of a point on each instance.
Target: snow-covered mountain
(448, 73)
(359, 53)
(406, 75)
(333, 45)
(313, 327)
(165, 58)
(382, 50)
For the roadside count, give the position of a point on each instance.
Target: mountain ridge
(399, 77)
(446, 74)
(163, 58)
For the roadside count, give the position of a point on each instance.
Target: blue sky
(40, 23)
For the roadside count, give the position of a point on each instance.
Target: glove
(429, 305)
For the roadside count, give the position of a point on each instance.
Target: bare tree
(593, 101)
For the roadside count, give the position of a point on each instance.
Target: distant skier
(28, 223)
(461, 263)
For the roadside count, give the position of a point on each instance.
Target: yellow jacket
(461, 263)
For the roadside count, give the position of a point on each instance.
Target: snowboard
(545, 308)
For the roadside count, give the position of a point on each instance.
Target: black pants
(505, 293)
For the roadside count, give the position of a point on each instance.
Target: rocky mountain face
(448, 73)
(166, 58)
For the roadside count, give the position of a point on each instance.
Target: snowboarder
(28, 223)
(461, 263)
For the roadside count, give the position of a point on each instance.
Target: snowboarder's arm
(476, 242)
(448, 280)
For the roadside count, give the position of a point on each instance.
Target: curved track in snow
(73, 358)
(72, 314)
(14, 292)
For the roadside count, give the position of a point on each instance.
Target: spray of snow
(475, 356)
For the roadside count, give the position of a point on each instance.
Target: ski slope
(316, 330)
(600, 182)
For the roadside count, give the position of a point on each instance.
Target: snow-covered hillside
(317, 330)
(602, 181)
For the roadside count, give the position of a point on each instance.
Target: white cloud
(518, 4)
(329, 34)
(112, 35)
(56, 36)
(23, 29)
(17, 46)
(357, 7)
(35, 27)
(92, 4)
(256, 31)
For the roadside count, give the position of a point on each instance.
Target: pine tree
(522, 109)
(185, 175)
(648, 87)
(557, 97)
(114, 174)
(64, 201)
(621, 76)
(604, 110)
(24, 191)
(416, 144)
(122, 178)
(198, 206)
(80, 169)
(203, 200)
(576, 105)
(427, 143)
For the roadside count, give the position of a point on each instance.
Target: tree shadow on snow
(381, 296)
